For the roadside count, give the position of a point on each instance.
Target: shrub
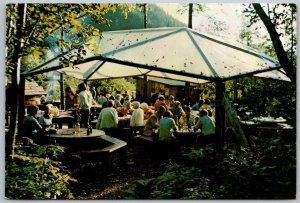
(35, 173)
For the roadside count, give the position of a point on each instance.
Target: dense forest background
(156, 17)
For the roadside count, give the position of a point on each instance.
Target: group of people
(160, 120)
(33, 126)
(170, 117)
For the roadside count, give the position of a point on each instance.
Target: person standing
(71, 98)
(93, 92)
(85, 103)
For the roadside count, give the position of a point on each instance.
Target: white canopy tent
(180, 54)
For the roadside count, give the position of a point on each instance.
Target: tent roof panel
(174, 53)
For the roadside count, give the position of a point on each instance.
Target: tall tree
(280, 24)
(28, 27)
(191, 8)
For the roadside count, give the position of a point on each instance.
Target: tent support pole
(187, 93)
(220, 114)
(62, 106)
(145, 83)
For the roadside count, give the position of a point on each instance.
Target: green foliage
(123, 85)
(280, 21)
(35, 173)
(266, 171)
(45, 25)
(156, 17)
(177, 182)
(265, 96)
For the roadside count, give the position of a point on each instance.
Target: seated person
(210, 114)
(31, 127)
(46, 119)
(108, 118)
(127, 102)
(152, 123)
(118, 98)
(205, 124)
(108, 97)
(147, 111)
(101, 99)
(206, 105)
(166, 127)
(198, 104)
(137, 117)
(170, 102)
(160, 102)
(188, 118)
(178, 112)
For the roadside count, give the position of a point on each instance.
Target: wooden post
(62, 103)
(187, 93)
(145, 84)
(220, 114)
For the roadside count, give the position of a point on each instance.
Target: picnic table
(95, 146)
(63, 117)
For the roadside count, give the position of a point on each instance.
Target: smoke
(53, 86)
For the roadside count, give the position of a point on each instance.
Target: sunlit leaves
(64, 22)
(36, 53)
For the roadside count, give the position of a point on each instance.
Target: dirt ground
(141, 163)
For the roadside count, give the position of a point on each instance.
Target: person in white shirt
(85, 103)
(137, 117)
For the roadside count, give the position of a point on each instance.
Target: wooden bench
(145, 138)
(105, 153)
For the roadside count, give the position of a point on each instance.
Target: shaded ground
(141, 163)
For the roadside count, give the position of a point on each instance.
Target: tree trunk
(190, 23)
(145, 15)
(280, 52)
(16, 63)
